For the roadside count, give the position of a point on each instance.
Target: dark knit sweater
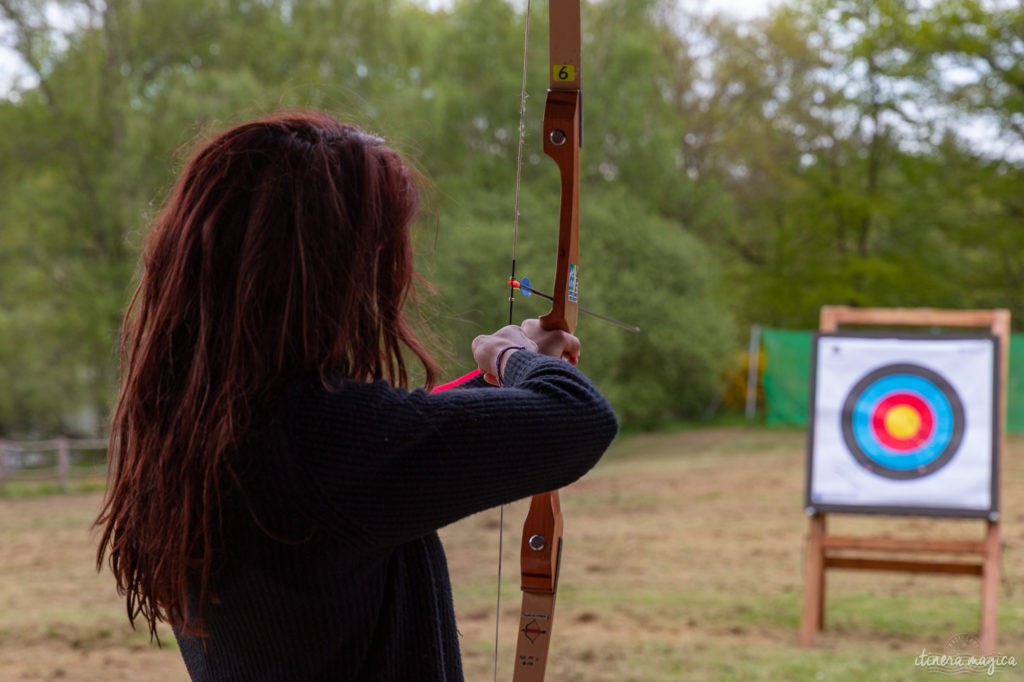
(332, 568)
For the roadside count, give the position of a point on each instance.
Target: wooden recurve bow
(541, 549)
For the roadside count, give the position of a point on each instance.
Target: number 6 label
(563, 73)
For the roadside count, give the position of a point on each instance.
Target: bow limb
(541, 548)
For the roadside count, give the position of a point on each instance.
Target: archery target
(903, 424)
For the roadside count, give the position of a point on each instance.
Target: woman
(275, 487)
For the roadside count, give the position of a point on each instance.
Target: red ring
(916, 403)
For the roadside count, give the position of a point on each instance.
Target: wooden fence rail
(33, 461)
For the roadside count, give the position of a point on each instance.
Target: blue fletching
(524, 286)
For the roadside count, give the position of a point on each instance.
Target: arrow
(524, 286)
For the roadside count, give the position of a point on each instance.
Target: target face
(903, 421)
(903, 424)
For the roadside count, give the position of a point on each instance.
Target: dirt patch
(60, 619)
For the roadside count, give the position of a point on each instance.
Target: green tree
(821, 124)
(977, 60)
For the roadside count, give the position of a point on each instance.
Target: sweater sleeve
(386, 465)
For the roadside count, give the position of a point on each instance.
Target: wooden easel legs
(990, 589)
(813, 618)
(818, 561)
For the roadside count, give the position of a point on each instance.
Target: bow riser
(562, 143)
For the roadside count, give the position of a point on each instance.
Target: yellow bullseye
(902, 422)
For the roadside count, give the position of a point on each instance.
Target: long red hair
(284, 249)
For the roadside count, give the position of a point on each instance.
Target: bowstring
(511, 299)
(519, 158)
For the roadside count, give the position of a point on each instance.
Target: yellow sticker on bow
(563, 73)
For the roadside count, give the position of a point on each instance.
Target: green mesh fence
(1015, 386)
(787, 378)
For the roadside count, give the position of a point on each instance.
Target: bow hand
(554, 342)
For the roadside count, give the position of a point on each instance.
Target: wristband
(501, 356)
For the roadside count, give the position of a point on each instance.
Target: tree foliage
(735, 172)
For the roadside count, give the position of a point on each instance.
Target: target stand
(906, 423)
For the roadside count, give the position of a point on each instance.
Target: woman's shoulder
(336, 405)
(313, 388)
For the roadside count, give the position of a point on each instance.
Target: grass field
(683, 561)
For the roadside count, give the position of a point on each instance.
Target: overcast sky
(10, 65)
(741, 8)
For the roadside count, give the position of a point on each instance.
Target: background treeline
(866, 152)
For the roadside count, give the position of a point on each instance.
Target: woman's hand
(553, 342)
(490, 349)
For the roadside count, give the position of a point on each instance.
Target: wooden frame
(972, 557)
